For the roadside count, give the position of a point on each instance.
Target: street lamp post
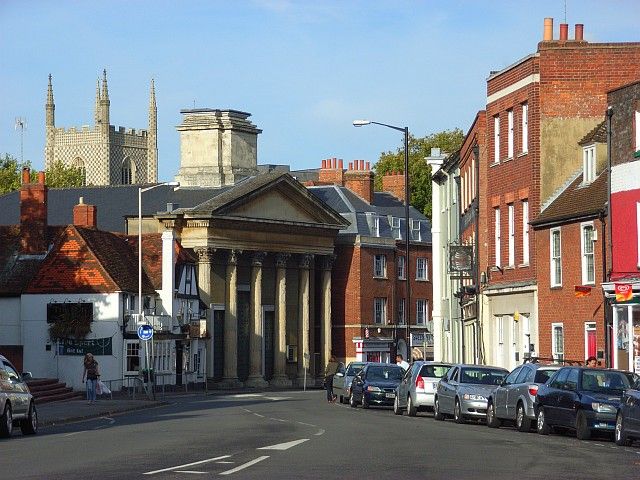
(407, 231)
(140, 302)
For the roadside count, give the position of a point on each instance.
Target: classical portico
(265, 253)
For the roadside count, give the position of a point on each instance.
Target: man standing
(400, 361)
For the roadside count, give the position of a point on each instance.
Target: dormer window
(588, 164)
(395, 228)
(415, 230)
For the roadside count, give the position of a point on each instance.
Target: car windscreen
(392, 372)
(434, 371)
(482, 376)
(354, 369)
(542, 375)
(603, 381)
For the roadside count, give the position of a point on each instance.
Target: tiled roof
(575, 202)
(17, 270)
(597, 135)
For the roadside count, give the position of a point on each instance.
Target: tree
(58, 175)
(448, 141)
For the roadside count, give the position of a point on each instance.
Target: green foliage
(448, 141)
(58, 175)
(10, 170)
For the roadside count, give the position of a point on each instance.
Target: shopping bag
(103, 389)
(98, 389)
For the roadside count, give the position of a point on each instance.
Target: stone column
(255, 348)
(230, 377)
(205, 258)
(303, 317)
(325, 331)
(280, 378)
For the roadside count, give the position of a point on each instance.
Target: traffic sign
(145, 332)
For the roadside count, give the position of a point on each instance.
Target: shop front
(625, 325)
(373, 349)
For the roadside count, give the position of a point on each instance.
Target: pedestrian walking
(329, 372)
(91, 375)
(401, 362)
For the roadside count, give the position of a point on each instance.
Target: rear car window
(482, 376)
(434, 371)
(392, 372)
(603, 381)
(543, 375)
(354, 369)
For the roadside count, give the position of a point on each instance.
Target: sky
(303, 69)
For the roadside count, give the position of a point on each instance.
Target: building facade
(106, 155)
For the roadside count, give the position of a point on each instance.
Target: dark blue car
(376, 385)
(582, 399)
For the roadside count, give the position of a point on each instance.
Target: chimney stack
(393, 182)
(33, 214)
(360, 181)
(331, 172)
(579, 36)
(85, 215)
(548, 30)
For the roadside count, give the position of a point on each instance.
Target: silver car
(16, 403)
(343, 378)
(418, 387)
(513, 399)
(463, 392)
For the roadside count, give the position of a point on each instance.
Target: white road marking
(224, 461)
(284, 446)
(277, 398)
(244, 465)
(190, 471)
(73, 433)
(245, 395)
(258, 415)
(307, 424)
(320, 432)
(187, 465)
(246, 410)
(278, 419)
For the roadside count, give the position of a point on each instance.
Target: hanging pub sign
(460, 258)
(95, 346)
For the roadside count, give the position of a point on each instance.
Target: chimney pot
(340, 164)
(361, 164)
(324, 164)
(579, 37)
(350, 165)
(368, 164)
(333, 162)
(564, 32)
(548, 30)
(41, 178)
(81, 201)
(26, 175)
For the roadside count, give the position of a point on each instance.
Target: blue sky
(304, 69)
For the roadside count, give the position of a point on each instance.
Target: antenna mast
(21, 123)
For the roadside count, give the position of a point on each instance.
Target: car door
(633, 407)
(356, 385)
(501, 393)
(552, 396)
(338, 380)
(447, 391)
(18, 392)
(405, 385)
(567, 398)
(517, 389)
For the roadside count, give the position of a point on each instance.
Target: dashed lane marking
(307, 424)
(187, 465)
(284, 446)
(320, 432)
(275, 399)
(190, 471)
(258, 415)
(244, 465)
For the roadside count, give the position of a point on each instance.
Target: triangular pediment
(277, 197)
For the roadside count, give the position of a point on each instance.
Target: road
(299, 435)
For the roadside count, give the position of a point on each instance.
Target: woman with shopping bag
(91, 375)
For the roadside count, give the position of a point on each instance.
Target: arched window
(127, 174)
(79, 163)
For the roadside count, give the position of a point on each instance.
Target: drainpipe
(607, 272)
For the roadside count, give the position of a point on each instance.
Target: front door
(179, 362)
(268, 347)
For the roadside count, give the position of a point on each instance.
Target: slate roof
(597, 135)
(577, 201)
(361, 214)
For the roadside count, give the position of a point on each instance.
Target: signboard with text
(95, 346)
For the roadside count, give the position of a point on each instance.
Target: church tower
(152, 138)
(50, 126)
(97, 108)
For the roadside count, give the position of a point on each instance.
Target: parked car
(16, 402)
(375, 384)
(513, 399)
(418, 387)
(343, 378)
(463, 391)
(583, 399)
(628, 416)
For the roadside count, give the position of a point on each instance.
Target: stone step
(71, 395)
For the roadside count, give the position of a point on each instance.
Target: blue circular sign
(145, 332)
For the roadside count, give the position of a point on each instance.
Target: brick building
(538, 109)
(369, 313)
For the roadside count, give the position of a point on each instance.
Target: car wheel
(412, 410)
(523, 423)
(29, 425)
(6, 421)
(583, 432)
(492, 420)
(457, 412)
(365, 402)
(621, 438)
(437, 414)
(542, 426)
(396, 406)
(352, 401)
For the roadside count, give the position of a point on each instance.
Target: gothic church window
(79, 163)
(127, 175)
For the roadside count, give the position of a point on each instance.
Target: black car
(628, 418)
(376, 384)
(580, 398)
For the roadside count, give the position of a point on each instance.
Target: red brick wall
(559, 304)
(393, 183)
(360, 182)
(85, 216)
(33, 215)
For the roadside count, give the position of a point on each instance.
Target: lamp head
(361, 123)
(173, 184)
